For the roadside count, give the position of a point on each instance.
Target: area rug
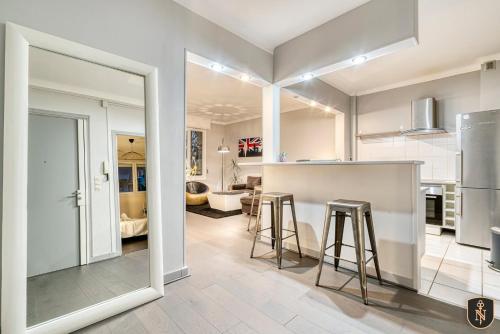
(207, 211)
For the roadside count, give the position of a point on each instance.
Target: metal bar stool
(355, 210)
(257, 190)
(276, 200)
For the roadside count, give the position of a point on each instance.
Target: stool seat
(358, 211)
(347, 204)
(272, 195)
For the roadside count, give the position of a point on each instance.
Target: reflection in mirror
(87, 191)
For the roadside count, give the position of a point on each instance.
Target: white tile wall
(437, 151)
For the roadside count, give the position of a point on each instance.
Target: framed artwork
(250, 147)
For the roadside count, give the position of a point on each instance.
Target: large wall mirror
(81, 229)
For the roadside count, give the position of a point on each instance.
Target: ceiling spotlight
(217, 67)
(245, 77)
(313, 103)
(359, 60)
(307, 76)
(328, 109)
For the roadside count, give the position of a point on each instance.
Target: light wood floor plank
(253, 296)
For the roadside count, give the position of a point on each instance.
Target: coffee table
(226, 200)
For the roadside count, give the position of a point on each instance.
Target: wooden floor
(134, 244)
(230, 293)
(60, 292)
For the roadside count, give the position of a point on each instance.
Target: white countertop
(438, 181)
(332, 162)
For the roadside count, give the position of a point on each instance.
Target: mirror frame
(18, 39)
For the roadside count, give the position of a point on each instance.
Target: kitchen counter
(333, 162)
(393, 189)
(438, 182)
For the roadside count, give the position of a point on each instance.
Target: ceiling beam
(322, 93)
(377, 28)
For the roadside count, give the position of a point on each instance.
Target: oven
(434, 205)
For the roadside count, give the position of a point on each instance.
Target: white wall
(155, 32)
(305, 133)
(214, 138)
(308, 134)
(102, 222)
(234, 132)
(490, 88)
(391, 111)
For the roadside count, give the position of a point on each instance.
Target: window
(126, 178)
(196, 154)
(141, 177)
(132, 177)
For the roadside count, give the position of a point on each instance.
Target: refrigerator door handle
(461, 167)
(458, 210)
(458, 165)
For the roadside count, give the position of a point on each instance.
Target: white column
(271, 123)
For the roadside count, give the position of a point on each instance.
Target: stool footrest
(366, 249)
(345, 215)
(344, 259)
(273, 238)
(268, 228)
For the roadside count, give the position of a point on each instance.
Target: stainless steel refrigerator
(478, 177)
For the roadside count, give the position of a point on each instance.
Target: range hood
(424, 118)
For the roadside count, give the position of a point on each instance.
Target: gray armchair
(252, 181)
(246, 202)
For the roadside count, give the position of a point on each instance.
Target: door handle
(78, 195)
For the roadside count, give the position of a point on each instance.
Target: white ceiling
(123, 145)
(455, 36)
(51, 70)
(269, 23)
(224, 99)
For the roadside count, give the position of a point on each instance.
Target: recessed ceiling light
(307, 76)
(217, 67)
(328, 109)
(313, 103)
(245, 77)
(359, 60)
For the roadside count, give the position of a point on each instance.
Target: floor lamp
(223, 149)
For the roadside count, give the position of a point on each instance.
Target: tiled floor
(228, 292)
(455, 273)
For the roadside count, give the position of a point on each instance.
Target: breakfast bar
(397, 201)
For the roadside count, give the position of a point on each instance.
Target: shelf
(378, 135)
(449, 210)
(450, 218)
(450, 193)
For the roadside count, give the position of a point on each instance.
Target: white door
(55, 194)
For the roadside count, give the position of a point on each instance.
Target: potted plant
(235, 170)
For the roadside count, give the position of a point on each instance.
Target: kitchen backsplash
(437, 151)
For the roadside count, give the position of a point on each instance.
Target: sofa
(246, 201)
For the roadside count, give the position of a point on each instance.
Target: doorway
(131, 191)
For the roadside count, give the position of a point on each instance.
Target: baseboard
(176, 275)
(94, 259)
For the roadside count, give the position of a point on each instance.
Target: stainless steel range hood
(424, 118)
